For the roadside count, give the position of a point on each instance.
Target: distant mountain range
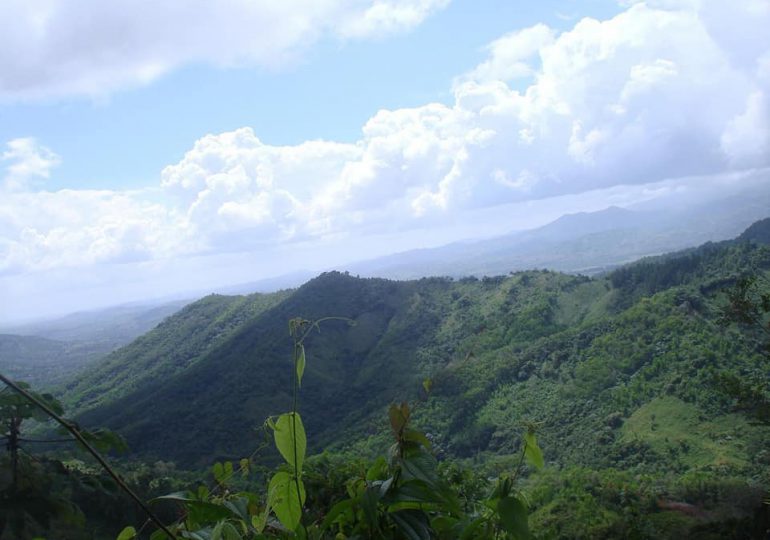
(45, 352)
(587, 242)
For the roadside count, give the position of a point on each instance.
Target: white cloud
(29, 161)
(648, 95)
(510, 57)
(53, 48)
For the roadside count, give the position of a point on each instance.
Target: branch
(69, 426)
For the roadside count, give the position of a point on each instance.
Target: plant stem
(297, 345)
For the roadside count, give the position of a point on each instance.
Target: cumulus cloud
(27, 161)
(659, 91)
(510, 57)
(55, 48)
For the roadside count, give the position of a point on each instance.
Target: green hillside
(644, 399)
(579, 355)
(167, 350)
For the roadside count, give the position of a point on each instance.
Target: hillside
(170, 348)
(569, 351)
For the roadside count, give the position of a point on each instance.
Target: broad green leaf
(245, 466)
(532, 451)
(129, 533)
(286, 427)
(417, 436)
(378, 470)
(284, 499)
(413, 524)
(369, 500)
(300, 364)
(513, 516)
(427, 385)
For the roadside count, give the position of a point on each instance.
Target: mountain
(585, 242)
(597, 361)
(47, 353)
(170, 348)
(110, 327)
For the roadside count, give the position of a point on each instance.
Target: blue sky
(148, 149)
(125, 138)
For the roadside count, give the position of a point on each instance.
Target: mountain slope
(170, 348)
(585, 356)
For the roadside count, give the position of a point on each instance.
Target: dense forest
(536, 404)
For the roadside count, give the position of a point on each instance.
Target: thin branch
(45, 440)
(69, 426)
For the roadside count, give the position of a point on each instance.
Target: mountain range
(591, 359)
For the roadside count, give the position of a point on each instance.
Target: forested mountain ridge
(581, 355)
(175, 344)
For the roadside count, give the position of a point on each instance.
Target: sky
(151, 149)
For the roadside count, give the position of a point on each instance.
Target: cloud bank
(55, 48)
(663, 90)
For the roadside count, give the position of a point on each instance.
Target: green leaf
(129, 533)
(412, 523)
(260, 520)
(239, 506)
(284, 500)
(285, 430)
(245, 466)
(417, 436)
(216, 533)
(378, 470)
(225, 531)
(337, 512)
(219, 472)
(159, 534)
(427, 385)
(300, 364)
(532, 451)
(513, 516)
(198, 511)
(369, 500)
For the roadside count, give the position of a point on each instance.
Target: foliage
(404, 496)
